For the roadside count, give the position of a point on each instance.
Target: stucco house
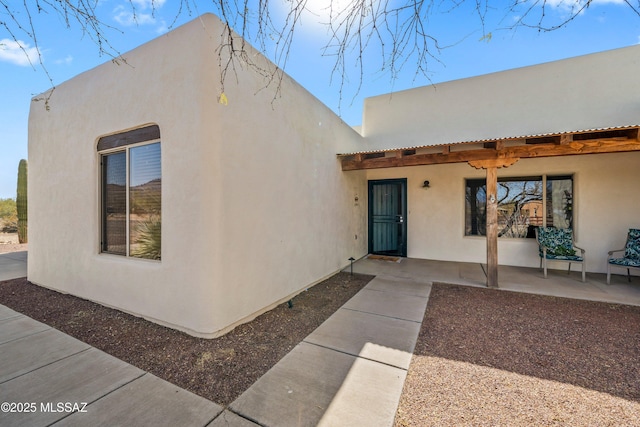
(150, 193)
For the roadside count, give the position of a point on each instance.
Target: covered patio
(517, 279)
(491, 155)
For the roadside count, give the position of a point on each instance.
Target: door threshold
(387, 258)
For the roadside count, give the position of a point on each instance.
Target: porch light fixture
(425, 184)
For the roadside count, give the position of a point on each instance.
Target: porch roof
(587, 141)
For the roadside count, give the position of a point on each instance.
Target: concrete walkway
(13, 265)
(48, 377)
(349, 372)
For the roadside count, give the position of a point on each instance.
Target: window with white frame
(523, 203)
(131, 193)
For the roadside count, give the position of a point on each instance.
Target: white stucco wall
(606, 199)
(288, 213)
(586, 92)
(254, 205)
(592, 91)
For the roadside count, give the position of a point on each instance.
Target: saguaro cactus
(21, 201)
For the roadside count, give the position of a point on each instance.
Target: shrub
(148, 242)
(8, 216)
(21, 201)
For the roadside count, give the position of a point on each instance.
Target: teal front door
(388, 217)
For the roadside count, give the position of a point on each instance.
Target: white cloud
(140, 14)
(570, 6)
(65, 61)
(127, 17)
(148, 4)
(18, 52)
(575, 5)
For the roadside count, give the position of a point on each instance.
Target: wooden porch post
(492, 227)
(491, 166)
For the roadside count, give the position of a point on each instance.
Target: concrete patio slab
(379, 338)
(18, 327)
(148, 401)
(229, 419)
(314, 385)
(35, 351)
(81, 378)
(391, 304)
(421, 270)
(561, 284)
(518, 279)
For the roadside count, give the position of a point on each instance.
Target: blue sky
(66, 52)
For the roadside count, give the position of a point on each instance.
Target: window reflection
(114, 203)
(145, 196)
(521, 207)
(141, 213)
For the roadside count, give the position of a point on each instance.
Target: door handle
(399, 219)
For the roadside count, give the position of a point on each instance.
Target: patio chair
(631, 258)
(556, 244)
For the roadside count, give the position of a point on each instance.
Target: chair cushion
(559, 242)
(561, 251)
(565, 257)
(632, 248)
(625, 262)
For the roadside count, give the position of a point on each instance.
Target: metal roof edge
(480, 141)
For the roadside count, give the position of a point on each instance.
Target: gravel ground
(496, 358)
(218, 369)
(484, 357)
(13, 247)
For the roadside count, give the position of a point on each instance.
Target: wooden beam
(566, 139)
(576, 147)
(493, 163)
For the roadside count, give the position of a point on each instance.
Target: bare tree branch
(397, 33)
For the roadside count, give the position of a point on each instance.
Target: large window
(523, 203)
(131, 193)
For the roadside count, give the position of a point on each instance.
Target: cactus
(21, 201)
